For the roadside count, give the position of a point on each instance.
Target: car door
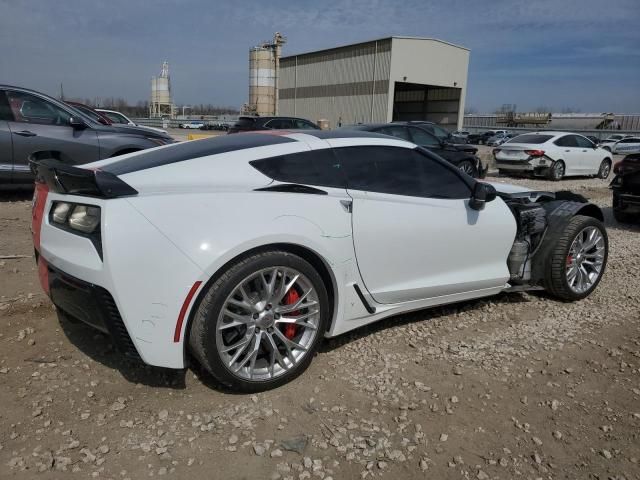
(569, 153)
(6, 146)
(41, 129)
(590, 158)
(414, 234)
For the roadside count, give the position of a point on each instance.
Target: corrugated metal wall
(337, 84)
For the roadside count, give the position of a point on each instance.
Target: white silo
(161, 103)
(264, 63)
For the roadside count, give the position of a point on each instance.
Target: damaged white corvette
(242, 252)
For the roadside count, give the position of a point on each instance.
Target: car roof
(185, 151)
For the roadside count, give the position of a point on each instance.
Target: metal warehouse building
(395, 78)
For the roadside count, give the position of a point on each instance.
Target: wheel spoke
(289, 343)
(241, 343)
(276, 356)
(300, 320)
(298, 305)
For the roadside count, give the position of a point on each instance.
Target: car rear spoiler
(63, 178)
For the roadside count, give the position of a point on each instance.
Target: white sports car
(552, 154)
(244, 251)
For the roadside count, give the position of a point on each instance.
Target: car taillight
(534, 153)
(82, 218)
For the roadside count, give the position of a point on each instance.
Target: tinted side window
(382, 169)
(316, 167)
(303, 124)
(279, 124)
(400, 171)
(566, 141)
(5, 111)
(398, 132)
(28, 108)
(583, 142)
(424, 139)
(442, 181)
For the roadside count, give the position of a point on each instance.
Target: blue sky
(581, 54)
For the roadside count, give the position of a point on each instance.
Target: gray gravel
(515, 386)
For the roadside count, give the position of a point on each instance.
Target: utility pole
(61, 92)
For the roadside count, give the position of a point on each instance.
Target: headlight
(83, 218)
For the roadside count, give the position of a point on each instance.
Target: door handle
(584, 150)
(26, 133)
(347, 205)
(567, 150)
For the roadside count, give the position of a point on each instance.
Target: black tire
(605, 169)
(469, 168)
(556, 171)
(556, 282)
(202, 336)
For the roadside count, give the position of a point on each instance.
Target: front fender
(559, 214)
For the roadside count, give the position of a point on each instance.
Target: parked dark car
(626, 189)
(248, 124)
(34, 126)
(483, 138)
(443, 134)
(91, 113)
(461, 156)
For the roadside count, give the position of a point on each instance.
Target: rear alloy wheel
(261, 322)
(605, 169)
(467, 167)
(556, 171)
(578, 260)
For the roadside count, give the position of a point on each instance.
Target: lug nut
(276, 316)
(255, 316)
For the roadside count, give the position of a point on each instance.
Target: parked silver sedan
(34, 126)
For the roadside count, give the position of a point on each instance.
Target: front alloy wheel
(260, 323)
(585, 260)
(578, 259)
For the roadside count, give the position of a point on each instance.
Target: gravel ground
(515, 386)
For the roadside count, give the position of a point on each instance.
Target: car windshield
(89, 113)
(530, 138)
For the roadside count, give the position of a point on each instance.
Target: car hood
(134, 130)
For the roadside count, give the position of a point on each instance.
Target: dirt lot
(516, 386)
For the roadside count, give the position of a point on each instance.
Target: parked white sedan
(626, 146)
(552, 154)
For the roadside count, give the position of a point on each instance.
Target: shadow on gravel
(612, 224)
(15, 194)
(427, 314)
(98, 347)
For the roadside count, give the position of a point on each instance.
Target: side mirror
(77, 123)
(482, 193)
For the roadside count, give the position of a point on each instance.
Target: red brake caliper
(290, 298)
